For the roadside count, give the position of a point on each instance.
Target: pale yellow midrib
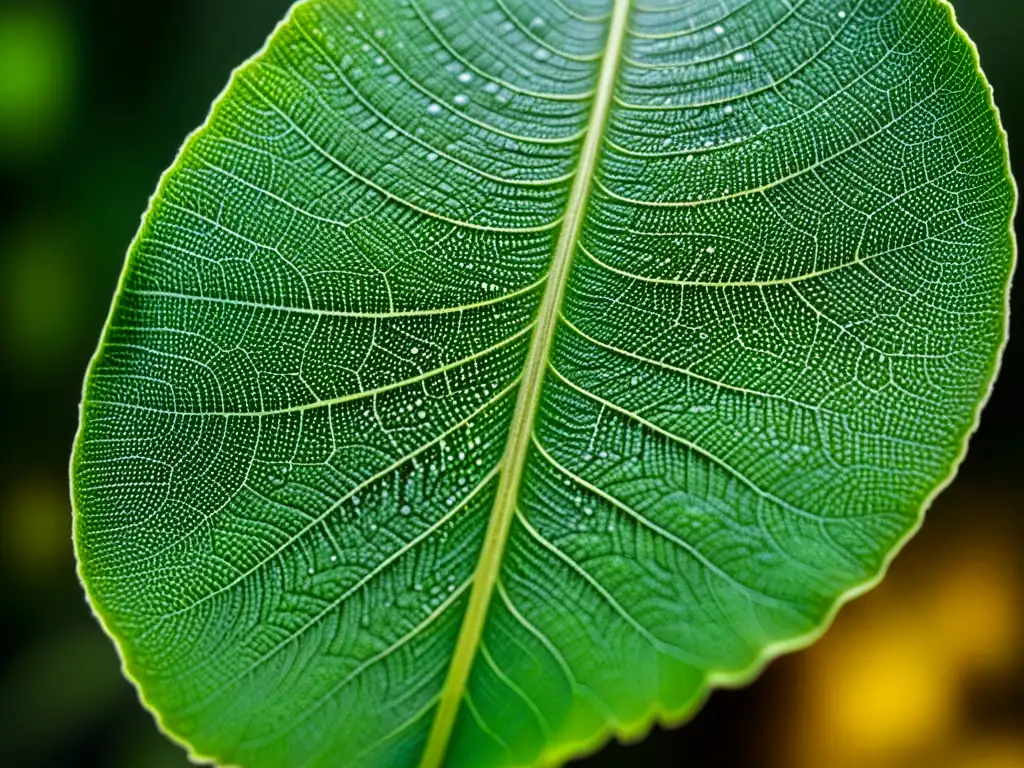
(514, 459)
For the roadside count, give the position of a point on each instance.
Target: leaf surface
(489, 377)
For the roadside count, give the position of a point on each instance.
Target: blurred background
(95, 98)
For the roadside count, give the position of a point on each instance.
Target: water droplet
(491, 88)
(334, 558)
(738, 58)
(719, 29)
(842, 14)
(434, 109)
(461, 99)
(588, 511)
(405, 509)
(415, 350)
(465, 77)
(541, 54)
(279, 477)
(728, 109)
(536, 22)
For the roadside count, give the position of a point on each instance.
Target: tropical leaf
(490, 377)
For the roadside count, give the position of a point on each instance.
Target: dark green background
(95, 98)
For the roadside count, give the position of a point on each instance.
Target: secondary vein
(489, 564)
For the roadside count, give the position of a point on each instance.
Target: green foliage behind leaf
(489, 377)
(36, 78)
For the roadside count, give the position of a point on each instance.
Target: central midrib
(514, 458)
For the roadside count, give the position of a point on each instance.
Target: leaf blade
(307, 512)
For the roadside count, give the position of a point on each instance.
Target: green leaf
(491, 377)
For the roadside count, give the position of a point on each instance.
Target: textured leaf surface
(664, 319)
